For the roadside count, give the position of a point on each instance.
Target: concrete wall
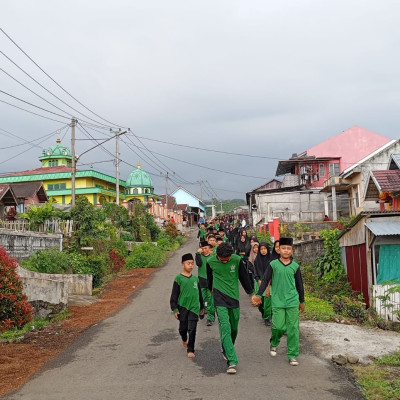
(300, 206)
(21, 245)
(307, 252)
(80, 284)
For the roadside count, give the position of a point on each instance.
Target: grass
(380, 380)
(37, 324)
(317, 309)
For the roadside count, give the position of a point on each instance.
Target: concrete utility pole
(201, 190)
(166, 191)
(73, 164)
(117, 166)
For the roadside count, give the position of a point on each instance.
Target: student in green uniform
(187, 303)
(261, 263)
(224, 271)
(201, 234)
(202, 256)
(287, 298)
(221, 232)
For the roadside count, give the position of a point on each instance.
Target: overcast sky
(258, 77)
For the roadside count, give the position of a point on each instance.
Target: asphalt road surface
(137, 354)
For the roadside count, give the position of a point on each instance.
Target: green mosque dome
(139, 178)
(57, 151)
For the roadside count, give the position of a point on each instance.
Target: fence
(49, 226)
(386, 309)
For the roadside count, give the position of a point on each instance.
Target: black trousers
(188, 327)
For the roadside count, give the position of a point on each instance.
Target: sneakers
(272, 351)
(209, 323)
(293, 362)
(231, 370)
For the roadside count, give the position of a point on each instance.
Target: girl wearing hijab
(275, 251)
(261, 263)
(243, 247)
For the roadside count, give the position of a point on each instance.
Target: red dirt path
(19, 361)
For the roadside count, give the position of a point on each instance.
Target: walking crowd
(226, 256)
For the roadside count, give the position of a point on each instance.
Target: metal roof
(387, 228)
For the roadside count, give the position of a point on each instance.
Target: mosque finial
(138, 165)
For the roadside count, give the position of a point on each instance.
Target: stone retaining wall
(21, 245)
(306, 252)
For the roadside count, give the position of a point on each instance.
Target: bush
(127, 237)
(15, 311)
(145, 256)
(317, 309)
(50, 261)
(97, 266)
(350, 308)
(117, 260)
(171, 230)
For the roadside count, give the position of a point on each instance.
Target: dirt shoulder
(19, 361)
(330, 338)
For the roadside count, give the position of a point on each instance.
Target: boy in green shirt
(224, 271)
(187, 303)
(287, 298)
(203, 254)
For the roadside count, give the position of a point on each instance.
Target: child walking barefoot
(187, 303)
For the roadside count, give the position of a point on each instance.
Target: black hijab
(261, 262)
(275, 255)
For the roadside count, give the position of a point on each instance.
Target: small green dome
(57, 151)
(139, 178)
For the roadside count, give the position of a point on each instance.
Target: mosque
(97, 187)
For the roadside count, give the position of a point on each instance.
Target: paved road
(137, 354)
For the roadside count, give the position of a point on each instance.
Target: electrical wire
(210, 150)
(64, 90)
(212, 169)
(31, 112)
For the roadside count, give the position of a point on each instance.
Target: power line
(211, 150)
(31, 112)
(212, 169)
(64, 90)
(8, 133)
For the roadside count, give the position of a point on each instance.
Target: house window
(135, 191)
(50, 187)
(53, 163)
(63, 185)
(357, 197)
(56, 186)
(322, 170)
(334, 169)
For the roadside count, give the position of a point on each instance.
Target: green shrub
(97, 266)
(350, 308)
(317, 309)
(127, 237)
(145, 256)
(50, 261)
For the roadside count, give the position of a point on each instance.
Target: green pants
(209, 299)
(265, 306)
(228, 321)
(286, 319)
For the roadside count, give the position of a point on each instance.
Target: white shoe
(272, 351)
(293, 362)
(231, 369)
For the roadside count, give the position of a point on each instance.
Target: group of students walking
(227, 256)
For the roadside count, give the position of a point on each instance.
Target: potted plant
(306, 234)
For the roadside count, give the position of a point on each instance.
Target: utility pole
(117, 166)
(166, 191)
(201, 190)
(73, 164)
